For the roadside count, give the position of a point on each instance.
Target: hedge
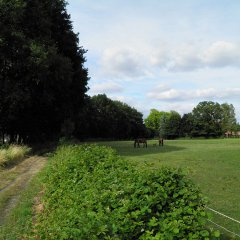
(92, 193)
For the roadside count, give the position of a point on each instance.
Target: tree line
(109, 119)
(207, 119)
(43, 86)
(43, 81)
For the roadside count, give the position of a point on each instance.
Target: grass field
(214, 165)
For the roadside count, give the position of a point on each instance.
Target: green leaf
(176, 230)
(216, 234)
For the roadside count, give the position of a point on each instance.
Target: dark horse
(140, 140)
(160, 142)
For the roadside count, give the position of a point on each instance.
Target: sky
(166, 55)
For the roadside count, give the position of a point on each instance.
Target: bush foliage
(92, 193)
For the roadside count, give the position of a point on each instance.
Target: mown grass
(214, 165)
(11, 154)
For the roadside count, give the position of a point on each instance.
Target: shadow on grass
(127, 148)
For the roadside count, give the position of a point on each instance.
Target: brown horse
(160, 142)
(140, 140)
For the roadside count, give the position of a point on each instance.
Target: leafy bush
(92, 193)
(12, 153)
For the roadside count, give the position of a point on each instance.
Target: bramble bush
(92, 193)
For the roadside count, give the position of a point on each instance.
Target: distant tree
(152, 121)
(43, 81)
(173, 126)
(207, 117)
(236, 127)
(169, 125)
(111, 119)
(186, 125)
(228, 117)
(163, 125)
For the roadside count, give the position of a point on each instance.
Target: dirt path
(13, 181)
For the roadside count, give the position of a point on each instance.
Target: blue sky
(168, 55)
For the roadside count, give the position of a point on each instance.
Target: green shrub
(92, 193)
(12, 153)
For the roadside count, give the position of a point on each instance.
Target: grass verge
(19, 223)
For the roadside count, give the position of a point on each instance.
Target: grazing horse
(160, 143)
(140, 140)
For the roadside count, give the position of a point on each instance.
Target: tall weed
(12, 153)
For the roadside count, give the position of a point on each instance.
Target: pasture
(214, 165)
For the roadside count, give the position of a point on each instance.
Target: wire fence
(227, 217)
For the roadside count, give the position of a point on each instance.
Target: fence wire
(221, 214)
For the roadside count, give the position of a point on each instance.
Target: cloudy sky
(168, 55)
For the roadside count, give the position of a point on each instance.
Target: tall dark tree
(110, 119)
(186, 125)
(130, 122)
(42, 76)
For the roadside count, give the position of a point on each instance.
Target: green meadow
(214, 165)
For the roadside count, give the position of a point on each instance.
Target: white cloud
(163, 92)
(222, 54)
(144, 61)
(190, 57)
(170, 94)
(122, 63)
(160, 56)
(106, 87)
(185, 58)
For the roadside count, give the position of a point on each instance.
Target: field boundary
(227, 230)
(225, 216)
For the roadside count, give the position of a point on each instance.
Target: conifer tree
(43, 80)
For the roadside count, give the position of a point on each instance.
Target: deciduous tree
(207, 117)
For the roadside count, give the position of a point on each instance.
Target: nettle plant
(92, 193)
